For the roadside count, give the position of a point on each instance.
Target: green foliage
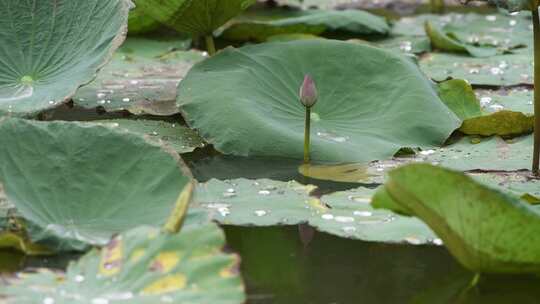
(46, 53)
(484, 229)
(245, 102)
(196, 17)
(140, 265)
(95, 182)
(314, 22)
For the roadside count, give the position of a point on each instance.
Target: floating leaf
(50, 48)
(520, 184)
(459, 96)
(141, 78)
(245, 102)
(140, 266)
(199, 17)
(484, 154)
(448, 42)
(514, 99)
(492, 71)
(314, 22)
(96, 181)
(177, 136)
(486, 230)
(264, 202)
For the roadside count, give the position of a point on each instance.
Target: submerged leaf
(96, 181)
(50, 48)
(486, 230)
(140, 266)
(245, 102)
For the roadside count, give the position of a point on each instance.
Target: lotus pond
(280, 151)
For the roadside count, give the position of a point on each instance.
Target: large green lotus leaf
(140, 23)
(309, 22)
(141, 78)
(141, 265)
(197, 17)
(179, 137)
(49, 48)
(245, 101)
(501, 70)
(264, 202)
(486, 230)
(97, 181)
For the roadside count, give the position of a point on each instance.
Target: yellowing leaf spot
(231, 270)
(167, 284)
(317, 204)
(137, 255)
(111, 258)
(165, 261)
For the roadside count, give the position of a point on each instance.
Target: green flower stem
(536, 150)
(307, 133)
(210, 45)
(437, 6)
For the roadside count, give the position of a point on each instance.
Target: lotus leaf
(245, 102)
(197, 17)
(141, 78)
(141, 265)
(444, 41)
(459, 96)
(265, 202)
(484, 229)
(49, 48)
(97, 181)
(140, 23)
(313, 22)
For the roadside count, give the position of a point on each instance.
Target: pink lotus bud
(308, 92)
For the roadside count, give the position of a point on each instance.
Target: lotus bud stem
(536, 149)
(210, 45)
(308, 98)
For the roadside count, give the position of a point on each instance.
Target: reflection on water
(280, 268)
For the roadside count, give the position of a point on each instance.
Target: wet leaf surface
(245, 102)
(140, 265)
(264, 202)
(484, 229)
(97, 181)
(44, 59)
(141, 78)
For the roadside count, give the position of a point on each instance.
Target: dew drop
(344, 219)
(327, 217)
(363, 213)
(48, 300)
(260, 212)
(349, 229)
